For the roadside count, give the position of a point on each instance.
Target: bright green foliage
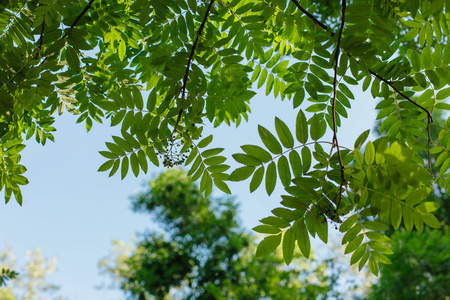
(204, 253)
(200, 60)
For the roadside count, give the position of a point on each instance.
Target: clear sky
(72, 211)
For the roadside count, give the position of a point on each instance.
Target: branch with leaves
(162, 65)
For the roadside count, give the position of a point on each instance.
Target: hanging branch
(429, 116)
(78, 18)
(74, 23)
(333, 105)
(41, 39)
(314, 19)
(188, 66)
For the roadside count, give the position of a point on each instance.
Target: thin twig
(41, 39)
(78, 18)
(429, 121)
(429, 116)
(314, 19)
(188, 66)
(333, 106)
(402, 94)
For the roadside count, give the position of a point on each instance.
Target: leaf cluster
(162, 69)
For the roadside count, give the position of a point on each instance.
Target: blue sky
(72, 211)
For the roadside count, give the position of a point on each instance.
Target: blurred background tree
(30, 282)
(202, 252)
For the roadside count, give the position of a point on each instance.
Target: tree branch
(41, 39)
(188, 66)
(317, 22)
(78, 18)
(402, 94)
(333, 105)
(314, 19)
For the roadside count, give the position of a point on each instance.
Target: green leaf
(418, 221)
(257, 179)
(408, 218)
(354, 244)
(380, 257)
(396, 214)
(215, 160)
(212, 152)
(269, 140)
(380, 247)
(363, 260)
(361, 139)
(246, 159)
(205, 142)
(124, 168)
(358, 157)
(306, 158)
(122, 50)
(415, 59)
(373, 266)
(427, 207)
(320, 224)
(301, 128)
(257, 152)
(142, 157)
(274, 221)
(73, 60)
(284, 133)
(268, 229)
(134, 162)
(318, 128)
(241, 174)
(268, 245)
(369, 153)
(152, 156)
(351, 233)
(375, 225)
(271, 178)
(288, 245)
(106, 166)
(430, 220)
(345, 226)
(222, 186)
(284, 171)
(303, 239)
(356, 256)
(296, 163)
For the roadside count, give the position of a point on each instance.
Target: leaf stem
(333, 105)
(188, 66)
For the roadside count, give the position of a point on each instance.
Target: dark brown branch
(79, 18)
(314, 19)
(188, 66)
(402, 94)
(41, 39)
(333, 105)
(81, 14)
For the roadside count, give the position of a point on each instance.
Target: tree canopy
(162, 70)
(204, 253)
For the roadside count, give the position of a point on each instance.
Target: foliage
(199, 62)
(203, 253)
(6, 275)
(30, 283)
(420, 267)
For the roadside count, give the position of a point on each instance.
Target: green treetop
(204, 253)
